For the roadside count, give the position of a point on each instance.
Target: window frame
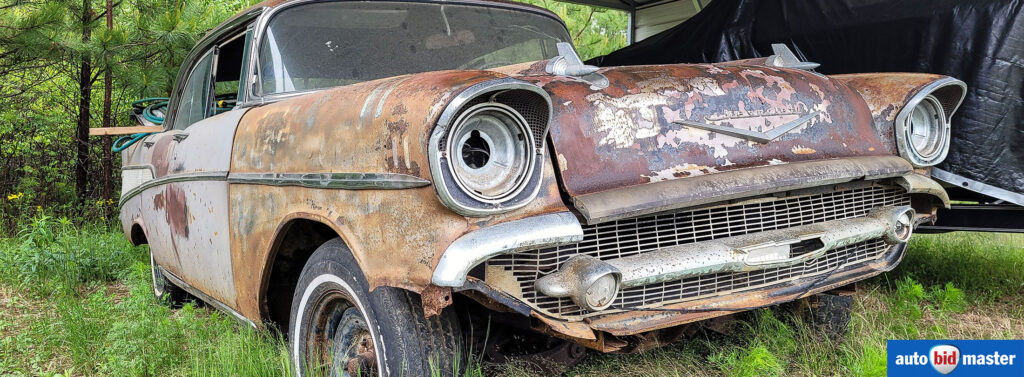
(212, 54)
(240, 25)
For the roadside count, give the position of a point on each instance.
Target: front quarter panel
(396, 235)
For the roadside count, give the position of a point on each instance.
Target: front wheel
(339, 328)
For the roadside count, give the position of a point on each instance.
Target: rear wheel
(163, 289)
(339, 328)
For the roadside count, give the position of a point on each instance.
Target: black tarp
(978, 41)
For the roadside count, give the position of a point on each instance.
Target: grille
(624, 238)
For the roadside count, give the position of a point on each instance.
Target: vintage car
(393, 183)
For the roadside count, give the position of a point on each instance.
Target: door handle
(180, 137)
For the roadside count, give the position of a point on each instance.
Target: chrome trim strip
(478, 246)
(978, 187)
(749, 252)
(750, 135)
(205, 176)
(902, 144)
(203, 296)
(347, 181)
(444, 123)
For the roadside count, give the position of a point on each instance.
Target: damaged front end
(696, 191)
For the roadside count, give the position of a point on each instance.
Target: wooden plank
(124, 130)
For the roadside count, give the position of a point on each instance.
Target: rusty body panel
(373, 127)
(625, 135)
(886, 94)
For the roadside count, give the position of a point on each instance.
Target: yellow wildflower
(15, 196)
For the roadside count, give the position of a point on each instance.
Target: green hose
(124, 142)
(155, 103)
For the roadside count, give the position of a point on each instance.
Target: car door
(196, 205)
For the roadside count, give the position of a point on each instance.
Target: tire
(829, 313)
(337, 327)
(163, 289)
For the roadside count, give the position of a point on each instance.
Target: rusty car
(391, 184)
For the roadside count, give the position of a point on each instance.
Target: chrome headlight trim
(931, 98)
(448, 190)
(519, 169)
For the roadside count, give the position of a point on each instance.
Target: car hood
(626, 131)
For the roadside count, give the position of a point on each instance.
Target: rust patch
(626, 135)
(176, 211)
(435, 299)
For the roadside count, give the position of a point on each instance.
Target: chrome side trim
(203, 296)
(902, 144)
(978, 187)
(478, 246)
(749, 252)
(205, 176)
(347, 181)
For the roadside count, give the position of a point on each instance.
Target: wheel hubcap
(342, 339)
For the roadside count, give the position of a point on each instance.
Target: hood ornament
(567, 63)
(755, 136)
(785, 58)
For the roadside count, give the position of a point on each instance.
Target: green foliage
(50, 255)
(594, 31)
(43, 45)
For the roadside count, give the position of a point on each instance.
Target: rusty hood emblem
(751, 135)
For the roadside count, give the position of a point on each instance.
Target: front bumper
(691, 264)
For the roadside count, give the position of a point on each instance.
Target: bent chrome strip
(203, 296)
(478, 246)
(978, 187)
(348, 181)
(205, 176)
(750, 135)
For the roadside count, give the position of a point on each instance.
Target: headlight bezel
(944, 97)
(457, 166)
(527, 103)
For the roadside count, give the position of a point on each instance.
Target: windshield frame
(253, 87)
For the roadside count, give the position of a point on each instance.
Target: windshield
(322, 45)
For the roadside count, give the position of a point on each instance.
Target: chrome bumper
(478, 246)
(748, 252)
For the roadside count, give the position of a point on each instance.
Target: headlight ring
(923, 132)
(490, 151)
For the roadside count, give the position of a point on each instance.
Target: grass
(77, 302)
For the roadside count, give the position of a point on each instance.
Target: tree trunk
(84, 99)
(108, 82)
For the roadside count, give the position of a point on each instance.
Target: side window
(229, 71)
(194, 104)
(215, 82)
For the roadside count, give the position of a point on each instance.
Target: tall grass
(77, 302)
